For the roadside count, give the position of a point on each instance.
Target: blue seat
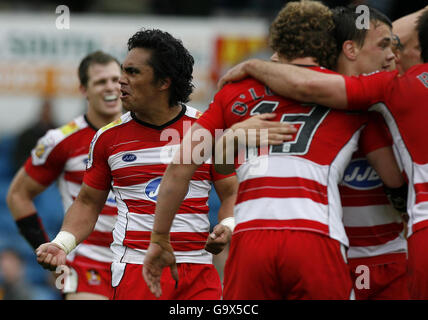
(7, 144)
(214, 204)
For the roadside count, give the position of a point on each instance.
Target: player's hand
(277, 133)
(50, 256)
(156, 259)
(237, 73)
(218, 239)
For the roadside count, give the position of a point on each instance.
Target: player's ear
(83, 90)
(350, 50)
(164, 84)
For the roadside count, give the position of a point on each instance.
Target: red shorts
(196, 282)
(418, 264)
(382, 277)
(92, 276)
(285, 264)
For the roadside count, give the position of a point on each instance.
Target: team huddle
(339, 210)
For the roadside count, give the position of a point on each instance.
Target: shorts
(196, 282)
(89, 276)
(285, 264)
(418, 264)
(382, 277)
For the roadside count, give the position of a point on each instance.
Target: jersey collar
(163, 126)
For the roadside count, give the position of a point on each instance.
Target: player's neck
(309, 61)
(98, 120)
(159, 116)
(346, 67)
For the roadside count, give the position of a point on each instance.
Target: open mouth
(110, 98)
(124, 94)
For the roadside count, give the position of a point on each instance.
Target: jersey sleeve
(98, 174)
(47, 159)
(365, 90)
(375, 135)
(218, 176)
(213, 117)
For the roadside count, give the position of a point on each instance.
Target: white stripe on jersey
(197, 189)
(105, 223)
(278, 166)
(421, 173)
(183, 222)
(280, 209)
(76, 164)
(99, 253)
(396, 245)
(368, 216)
(159, 155)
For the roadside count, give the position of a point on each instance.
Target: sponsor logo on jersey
(93, 277)
(40, 150)
(111, 200)
(69, 128)
(360, 175)
(129, 157)
(152, 189)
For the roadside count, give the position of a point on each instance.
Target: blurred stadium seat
(50, 210)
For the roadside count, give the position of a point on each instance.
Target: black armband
(32, 230)
(397, 197)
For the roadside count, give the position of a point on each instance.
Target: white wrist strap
(65, 240)
(229, 222)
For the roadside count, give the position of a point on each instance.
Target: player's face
(103, 89)
(137, 83)
(376, 52)
(410, 54)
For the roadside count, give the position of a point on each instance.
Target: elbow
(10, 198)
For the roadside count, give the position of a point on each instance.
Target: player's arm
(404, 27)
(253, 132)
(79, 221)
(294, 82)
(226, 189)
(20, 196)
(172, 191)
(385, 164)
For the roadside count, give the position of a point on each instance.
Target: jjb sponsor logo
(129, 157)
(360, 175)
(152, 189)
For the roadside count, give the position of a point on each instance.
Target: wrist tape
(65, 240)
(229, 222)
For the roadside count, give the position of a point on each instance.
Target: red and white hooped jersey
(372, 225)
(293, 185)
(402, 100)
(61, 154)
(130, 156)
